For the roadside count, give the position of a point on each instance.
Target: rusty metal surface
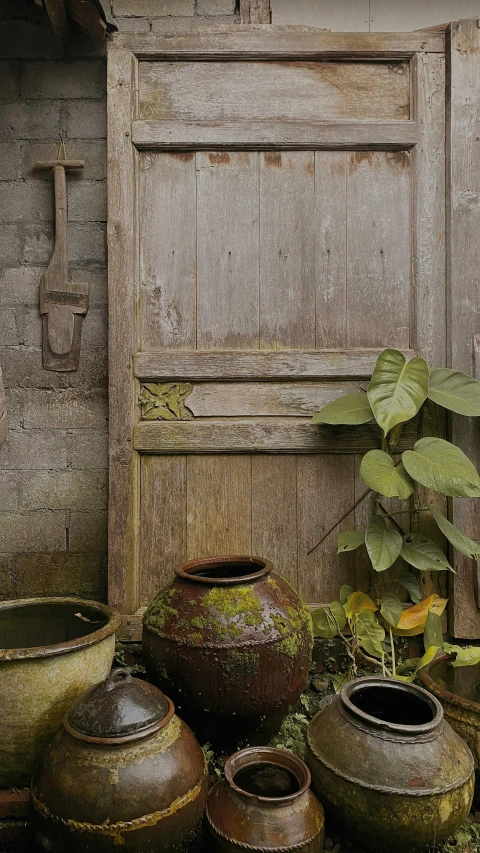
(238, 819)
(393, 786)
(239, 644)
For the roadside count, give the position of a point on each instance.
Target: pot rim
(445, 695)
(121, 739)
(187, 569)
(356, 685)
(37, 652)
(268, 755)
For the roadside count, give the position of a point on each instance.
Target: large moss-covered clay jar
(226, 637)
(123, 773)
(395, 776)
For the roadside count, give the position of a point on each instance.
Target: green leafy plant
(367, 629)
(397, 392)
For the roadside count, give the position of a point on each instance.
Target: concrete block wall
(53, 469)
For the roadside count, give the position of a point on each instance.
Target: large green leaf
(454, 390)
(397, 388)
(391, 608)
(327, 621)
(424, 554)
(442, 467)
(369, 633)
(350, 409)
(349, 540)
(459, 540)
(383, 544)
(345, 592)
(410, 582)
(415, 664)
(379, 472)
(357, 602)
(432, 633)
(465, 657)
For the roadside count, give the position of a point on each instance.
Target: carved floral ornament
(165, 402)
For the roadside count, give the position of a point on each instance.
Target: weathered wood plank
(3, 413)
(331, 249)
(378, 249)
(167, 220)
(163, 521)
(247, 42)
(274, 515)
(287, 271)
(259, 435)
(293, 135)
(124, 463)
(295, 365)
(284, 91)
(227, 250)
(463, 281)
(255, 12)
(266, 399)
(325, 490)
(219, 513)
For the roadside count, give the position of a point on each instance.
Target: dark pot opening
(39, 627)
(224, 570)
(391, 704)
(267, 780)
(267, 774)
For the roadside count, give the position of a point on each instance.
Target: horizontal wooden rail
(351, 135)
(260, 364)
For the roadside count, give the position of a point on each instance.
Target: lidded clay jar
(123, 770)
(264, 804)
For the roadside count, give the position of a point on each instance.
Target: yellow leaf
(412, 621)
(358, 601)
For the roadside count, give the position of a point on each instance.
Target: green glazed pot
(388, 768)
(52, 650)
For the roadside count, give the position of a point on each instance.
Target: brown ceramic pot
(124, 772)
(264, 804)
(228, 636)
(394, 775)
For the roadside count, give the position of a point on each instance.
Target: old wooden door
(276, 217)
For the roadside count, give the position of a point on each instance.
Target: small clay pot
(264, 804)
(124, 772)
(390, 771)
(231, 641)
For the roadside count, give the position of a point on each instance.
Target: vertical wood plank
(287, 271)
(463, 280)
(378, 249)
(167, 224)
(274, 512)
(255, 12)
(331, 248)
(123, 582)
(219, 513)
(325, 490)
(228, 250)
(163, 517)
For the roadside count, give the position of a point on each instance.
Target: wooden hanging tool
(62, 303)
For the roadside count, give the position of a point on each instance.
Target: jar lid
(119, 709)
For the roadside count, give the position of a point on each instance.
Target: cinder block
(32, 531)
(11, 243)
(10, 328)
(65, 409)
(87, 242)
(132, 25)
(37, 243)
(10, 157)
(14, 398)
(19, 286)
(33, 450)
(92, 151)
(189, 25)
(8, 490)
(95, 329)
(89, 448)
(27, 120)
(24, 575)
(27, 40)
(97, 279)
(152, 8)
(87, 201)
(87, 532)
(9, 80)
(87, 120)
(26, 200)
(80, 78)
(215, 7)
(75, 490)
(22, 368)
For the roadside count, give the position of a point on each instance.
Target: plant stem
(339, 521)
(394, 669)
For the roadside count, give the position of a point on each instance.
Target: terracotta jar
(264, 804)
(228, 636)
(124, 772)
(395, 776)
